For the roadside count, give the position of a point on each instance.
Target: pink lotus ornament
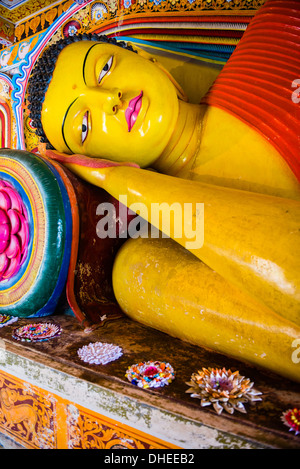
(14, 231)
(223, 389)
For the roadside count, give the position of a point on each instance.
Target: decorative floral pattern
(89, 431)
(224, 389)
(98, 11)
(71, 28)
(14, 231)
(216, 5)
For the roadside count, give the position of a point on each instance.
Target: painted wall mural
(7, 127)
(7, 32)
(35, 17)
(27, 413)
(41, 21)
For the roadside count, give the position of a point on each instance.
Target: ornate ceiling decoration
(13, 12)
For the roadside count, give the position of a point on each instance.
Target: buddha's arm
(251, 240)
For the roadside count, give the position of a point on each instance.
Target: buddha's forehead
(76, 52)
(71, 64)
(79, 56)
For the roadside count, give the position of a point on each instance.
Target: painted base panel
(35, 419)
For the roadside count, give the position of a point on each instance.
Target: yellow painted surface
(192, 302)
(252, 240)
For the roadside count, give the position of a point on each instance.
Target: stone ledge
(167, 414)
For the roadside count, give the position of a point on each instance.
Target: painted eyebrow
(63, 123)
(85, 59)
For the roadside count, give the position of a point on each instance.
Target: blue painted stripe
(63, 274)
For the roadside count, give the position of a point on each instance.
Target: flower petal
(218, 408)
(5, 202)
(23, 233)
(16, 201)
(4, 237)
(3, 264)
(13, 268)
(15, 221)
(13, 249)
(3, 217)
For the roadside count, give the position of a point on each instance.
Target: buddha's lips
(133, 110)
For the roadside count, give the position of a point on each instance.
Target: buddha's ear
(180, 93)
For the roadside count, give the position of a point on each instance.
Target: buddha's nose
(111, 100)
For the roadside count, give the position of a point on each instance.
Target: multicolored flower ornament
(151, 374)
(223, 389)
(291, 418)
(71, 28)
(38, 332)
(14, 231)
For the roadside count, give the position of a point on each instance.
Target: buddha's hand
(92, 170)
(86, 161)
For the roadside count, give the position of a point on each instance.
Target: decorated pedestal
(125, 386)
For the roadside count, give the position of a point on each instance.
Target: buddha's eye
(85, 127)
(105, 69)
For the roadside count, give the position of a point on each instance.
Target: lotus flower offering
(223, 389)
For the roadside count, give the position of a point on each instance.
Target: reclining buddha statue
(116, 118)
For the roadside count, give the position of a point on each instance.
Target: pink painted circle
(14, 231)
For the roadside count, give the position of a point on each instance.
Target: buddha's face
(106, 101)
